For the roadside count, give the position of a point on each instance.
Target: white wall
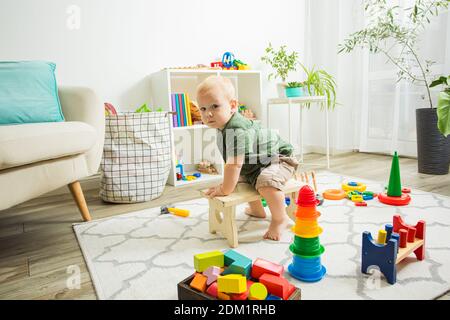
(120, 42)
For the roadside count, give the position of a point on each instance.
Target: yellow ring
(359, 187)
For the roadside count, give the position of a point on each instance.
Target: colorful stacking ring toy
(334, 194)
(354, 186)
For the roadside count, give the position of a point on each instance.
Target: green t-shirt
(242, 136)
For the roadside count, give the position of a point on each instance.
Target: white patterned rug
(143, 255)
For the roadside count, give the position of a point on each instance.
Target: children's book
(174, 109)
(183, 113)
(188, 109)
(180, 123)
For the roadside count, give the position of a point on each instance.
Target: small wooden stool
(242, 193)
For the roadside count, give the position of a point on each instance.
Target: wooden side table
(301, 101)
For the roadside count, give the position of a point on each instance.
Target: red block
(277, 286)
(261, 266)
(361, 204)
(212, 290)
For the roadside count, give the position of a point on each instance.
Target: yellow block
(382, 237)
(203, 261)
(357, 198)
(257, 291)
(232, 283)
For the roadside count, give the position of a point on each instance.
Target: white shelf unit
(198, 142)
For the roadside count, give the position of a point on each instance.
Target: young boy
(251, 154)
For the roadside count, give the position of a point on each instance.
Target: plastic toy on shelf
(227, 60)
(393, 245)
(206, 167)
(394, 195)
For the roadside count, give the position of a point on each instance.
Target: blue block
(395, 236)
(383, 256)
(352, 184)
(237, 264)
(272, 297)
(388, 229)
(197, 175)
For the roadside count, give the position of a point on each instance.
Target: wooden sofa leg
(78, 196)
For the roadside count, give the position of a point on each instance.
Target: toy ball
(227, 59)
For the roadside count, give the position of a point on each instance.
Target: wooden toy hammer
(175, 211)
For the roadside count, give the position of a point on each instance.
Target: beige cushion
(29, 143)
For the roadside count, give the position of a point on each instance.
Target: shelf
(305, 99)
(193, 127)
(200, 71)
(205, 178)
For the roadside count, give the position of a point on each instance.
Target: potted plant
(443, 106)
(282, 62)
(320, 83)
(385, 33)
(294, 89)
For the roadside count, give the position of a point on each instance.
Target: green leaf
(443, 113)
(439, 81)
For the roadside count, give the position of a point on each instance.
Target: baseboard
(323, 150)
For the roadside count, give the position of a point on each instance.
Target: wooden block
(258, 291)
(261, 266)
(237, 263)
(185, 292)
(212, 273)
(212, 290)
(202, 261)
(244, 295)
(199, 282)
(232, 283)
(223, 296)
(277, 286)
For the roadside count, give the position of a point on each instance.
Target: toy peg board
(410, 247)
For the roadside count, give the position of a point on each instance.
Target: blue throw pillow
(28, 92)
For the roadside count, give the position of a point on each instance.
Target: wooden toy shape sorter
(393, 245)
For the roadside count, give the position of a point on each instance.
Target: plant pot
(433, 149)
(294, 92)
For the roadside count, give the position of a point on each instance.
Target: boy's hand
(215, 192)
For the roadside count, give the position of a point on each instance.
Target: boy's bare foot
(276, 229)
(248, 211)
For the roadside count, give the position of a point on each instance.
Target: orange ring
(334, 194)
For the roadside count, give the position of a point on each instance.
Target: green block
(203, 261)
(237, 263)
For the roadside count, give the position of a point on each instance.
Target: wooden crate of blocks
(232, 276)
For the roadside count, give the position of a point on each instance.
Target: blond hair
(217, 82)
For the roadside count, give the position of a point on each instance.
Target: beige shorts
(277, 174)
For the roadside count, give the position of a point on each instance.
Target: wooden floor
(37, 243)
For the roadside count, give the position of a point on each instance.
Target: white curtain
(376, 114)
